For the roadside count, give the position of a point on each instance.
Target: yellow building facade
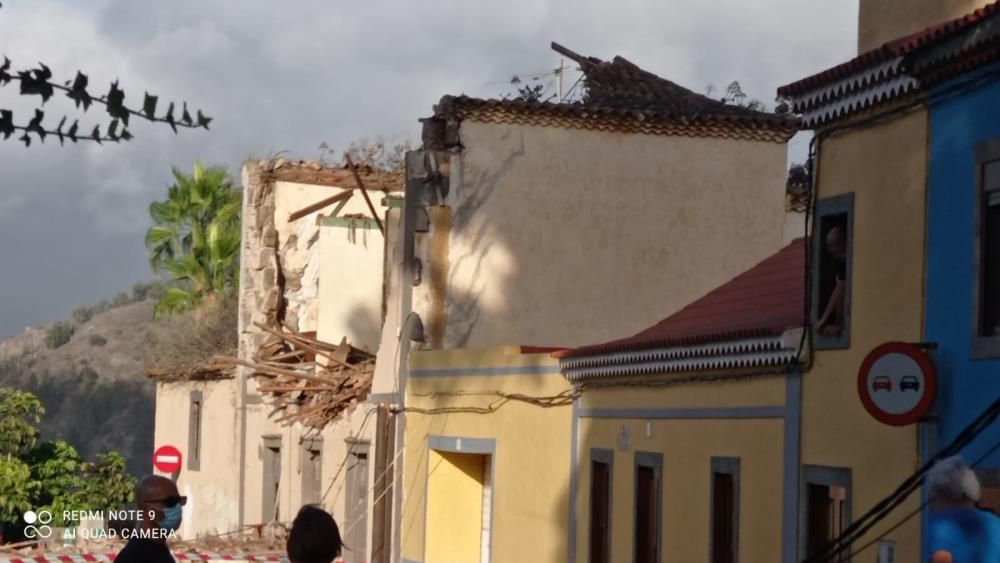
(487, 477)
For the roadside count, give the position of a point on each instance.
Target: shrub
(121, 300)
(83, 314)
(189, 341)
(102, 307)
(97, 340)
(59, 334)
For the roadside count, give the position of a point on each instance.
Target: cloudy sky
(286, 76)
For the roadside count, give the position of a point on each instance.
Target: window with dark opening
(831, 281)
(989, 293)
(272, 477)
(826, 517)
(194, 431)
(647, 507)
(312, 470)
(725, 510)
(600, 506)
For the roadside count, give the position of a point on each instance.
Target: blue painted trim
(510, 370)
(574, 449)
(461, 444)
(791, 463)
(770, 411)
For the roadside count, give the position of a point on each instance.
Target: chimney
(882, 21)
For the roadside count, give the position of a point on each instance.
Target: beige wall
(350, 288)
(531, 478)
(569, 237)
(885, 167)
(882, 21)
(213, 493)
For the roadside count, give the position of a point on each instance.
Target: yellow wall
(632, 205)
(454, 507)
(882, 21)
(531, 479)
(687, 446)
(885, 167)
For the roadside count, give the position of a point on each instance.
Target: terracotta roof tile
(888, 51)
(620, 89)
(766, 300)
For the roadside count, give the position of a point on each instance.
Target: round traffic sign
(897, 383)
(167, 459)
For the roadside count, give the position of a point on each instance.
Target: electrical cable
(884, 507)
(919, 508)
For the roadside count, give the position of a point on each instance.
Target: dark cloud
(285, 76)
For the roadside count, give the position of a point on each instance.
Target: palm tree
(195, 238)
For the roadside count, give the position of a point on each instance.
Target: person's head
(836, 242)
(314, 537)
(158, 495)
(952, 483)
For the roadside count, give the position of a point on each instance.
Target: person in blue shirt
(959, 531)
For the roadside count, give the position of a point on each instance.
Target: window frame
(196, 417)
(310, 445)
(834, 205)
(607, 457)
(828, 477)
(654, 461)
(982, 346)
(725, 466)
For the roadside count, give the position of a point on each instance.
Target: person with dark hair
(160, 508)
(314, 537)
(831, 323)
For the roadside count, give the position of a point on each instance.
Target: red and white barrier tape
(110, 556)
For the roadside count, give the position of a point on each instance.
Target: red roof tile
(890, 50)
(766, 300)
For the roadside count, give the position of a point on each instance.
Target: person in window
(832, 321)
(959, 531)
(314, 537)
(159, 517)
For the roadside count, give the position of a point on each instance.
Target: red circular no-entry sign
(897, 383)
(167, 459)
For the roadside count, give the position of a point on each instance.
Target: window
(987, 300)
(725, 510)
(356, 508)
(826, 493)
(194, 431)
(600, 505)
(832, 272)
(271, 458)
(648, 474)
(312, 470)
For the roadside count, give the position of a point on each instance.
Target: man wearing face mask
(157, 497)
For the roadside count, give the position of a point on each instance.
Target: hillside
(93, 387)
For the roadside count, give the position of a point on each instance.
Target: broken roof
(325, 174)
(621, 96)
(765, 300)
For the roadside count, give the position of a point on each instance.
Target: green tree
(195, 238)
(17, 492)
(20, 411)
(51, 475)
